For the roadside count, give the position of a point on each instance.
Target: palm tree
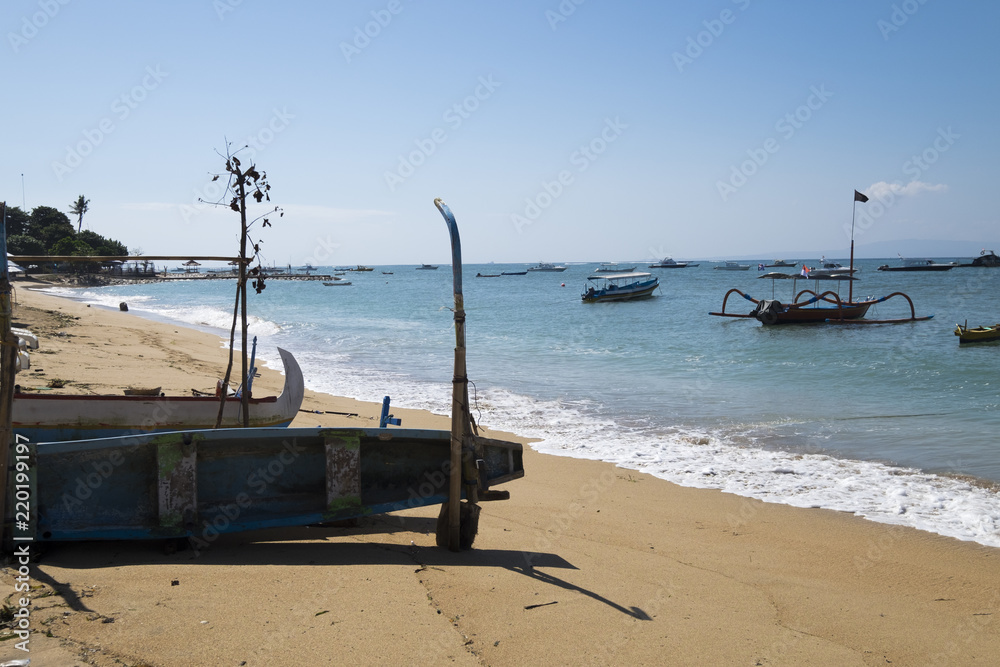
(78, 208)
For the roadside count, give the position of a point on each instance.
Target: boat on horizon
(545, 266)
(56, 417)
(619, 287)
(986, 258)
(781, 263)
(613, 267)
(669, 263)
(427, 267)
(730, 265)
(514, 273)
(917, 264)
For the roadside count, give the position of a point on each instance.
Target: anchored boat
(976, 334)
(619, 287)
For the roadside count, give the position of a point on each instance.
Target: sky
(580, 130)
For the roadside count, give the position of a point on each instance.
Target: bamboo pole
(8, 355)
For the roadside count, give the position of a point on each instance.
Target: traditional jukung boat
(619, 287)
(976, 334)
(826, 307)
(811, 307)
(54, 417)
(198, 484)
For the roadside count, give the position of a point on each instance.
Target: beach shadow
(320, 546)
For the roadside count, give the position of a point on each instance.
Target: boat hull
(812, 314)
(198, 484)
(977, 334)
(50, 418)
(635, 291)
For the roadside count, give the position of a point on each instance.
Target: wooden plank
(343, 473)
(177, 488)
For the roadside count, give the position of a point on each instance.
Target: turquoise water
(888, 421)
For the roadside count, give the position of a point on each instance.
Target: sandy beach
(587, 563)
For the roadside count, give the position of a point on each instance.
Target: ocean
(896, 423)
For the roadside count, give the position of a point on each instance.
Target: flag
(805, 271)
(860, 197)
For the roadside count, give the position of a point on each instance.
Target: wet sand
(585, 564)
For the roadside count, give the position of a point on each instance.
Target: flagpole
(850, 274)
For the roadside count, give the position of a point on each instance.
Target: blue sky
(556, 131)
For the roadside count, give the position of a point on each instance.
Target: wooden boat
(53, 417)
(620, 287)
(670, 263)
(976, 334)
(487, 275)
(914, 264)
(338, 283)
(199, 484)
(513, 273)
(732, 266)
(825, 308)
(545, 266)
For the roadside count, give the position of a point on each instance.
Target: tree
(241, 183)
(22, 244)
(49, 225)
(100, 244)
(17, 221)
(78, 208)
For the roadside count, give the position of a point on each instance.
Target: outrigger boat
(54, 417)
(977, 334)
(195, 484)
(810, 306)
(620, 287)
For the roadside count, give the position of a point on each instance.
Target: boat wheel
(468, 525)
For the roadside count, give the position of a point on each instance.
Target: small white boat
(670, 263)
(730, 265)
(545, 266)
(427, 267)
(613, 267)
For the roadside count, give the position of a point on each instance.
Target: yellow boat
(978, 334)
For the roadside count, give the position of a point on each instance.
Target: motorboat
(427, 267)
(613, 267)
(730, 265)
(670, 263)
(914, 264)
(545, 266)
(619, 287)
(781, 262)
(976, 334)
(986, 258)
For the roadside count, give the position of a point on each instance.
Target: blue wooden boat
(619, 287)
(56, 417)
(199, 484)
